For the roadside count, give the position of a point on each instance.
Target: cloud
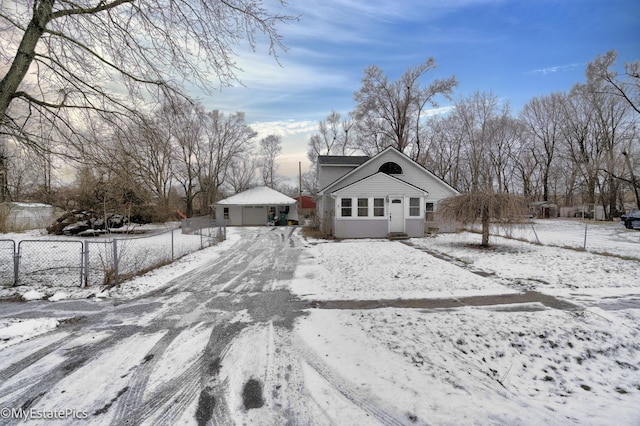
(555, 69)
(284, 128)
(438, 111)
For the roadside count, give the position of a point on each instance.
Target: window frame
(429, 211)
(344, 208)
(362, 208)
(376, 209)
(414, 203)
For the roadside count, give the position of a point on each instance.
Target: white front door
(396, 214)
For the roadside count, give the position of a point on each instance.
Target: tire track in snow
(31, 359)
(133, 398)
(373, 406)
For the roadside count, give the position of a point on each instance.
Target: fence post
(584, 246)
(81, 262)
(172, 252)
(85, 264)
(115, 261)
(16, 263)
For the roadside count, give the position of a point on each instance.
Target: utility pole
(299, 188)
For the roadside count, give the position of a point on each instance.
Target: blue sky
(517, 49)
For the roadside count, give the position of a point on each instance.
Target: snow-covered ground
(517, 364)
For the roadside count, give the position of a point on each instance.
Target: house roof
(260, 195)
(383, 152)
(340, 160)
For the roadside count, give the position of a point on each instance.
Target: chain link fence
(76, 262)
(7, 262)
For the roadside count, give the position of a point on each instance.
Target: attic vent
(390, 168)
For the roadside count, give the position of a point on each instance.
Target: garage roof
(260, 195)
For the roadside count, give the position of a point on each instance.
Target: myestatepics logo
(35, 414)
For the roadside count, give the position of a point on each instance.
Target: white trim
(354, 208)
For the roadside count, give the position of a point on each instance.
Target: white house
(388, 194)
(257, 206)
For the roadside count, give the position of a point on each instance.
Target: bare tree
(389, 113)
(71, 47)
(270, 148)
(310, 182)
(185, 123)
(485, 207)
(480, 124)
(506, 138)
(542, 119)
(527, 167)
(146, 151)
(442, 155)
(242, 174)
(334, 137)
(70, 63)
(225, 138)
(23, 172)
(609, 85)
(627, 87)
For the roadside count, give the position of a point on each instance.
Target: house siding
(377, 186)
(414, 227)
(235, 214)
(328, 174)
(363, 228)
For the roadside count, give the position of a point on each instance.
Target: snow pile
(13, 331)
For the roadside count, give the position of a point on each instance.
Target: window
(346, 207)
(414, 206)
(226, 213)
(429, 212)
(378, 207)
(363, 207)
(390, 168)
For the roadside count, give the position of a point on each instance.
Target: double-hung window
(363, 207)
(346, 207)
(414, 206)
(378, 207)
(429, 212)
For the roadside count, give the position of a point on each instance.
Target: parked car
(631, 220)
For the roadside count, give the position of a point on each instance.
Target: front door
(396, 214)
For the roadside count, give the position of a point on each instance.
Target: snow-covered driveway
(236, 341)
(168, 357)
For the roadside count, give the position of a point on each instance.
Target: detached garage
(257, 206)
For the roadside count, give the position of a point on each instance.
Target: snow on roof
(260, 195)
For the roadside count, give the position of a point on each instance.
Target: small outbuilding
(257, 206)
(306, 206)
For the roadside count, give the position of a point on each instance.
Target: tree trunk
(485, 226)
(25, 54)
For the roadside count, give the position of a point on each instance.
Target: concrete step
(397, 236)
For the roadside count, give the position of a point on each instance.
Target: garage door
(254, 215)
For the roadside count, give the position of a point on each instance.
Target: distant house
(306, 206)
(23, 216)
(257, 206)
(388, 194)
